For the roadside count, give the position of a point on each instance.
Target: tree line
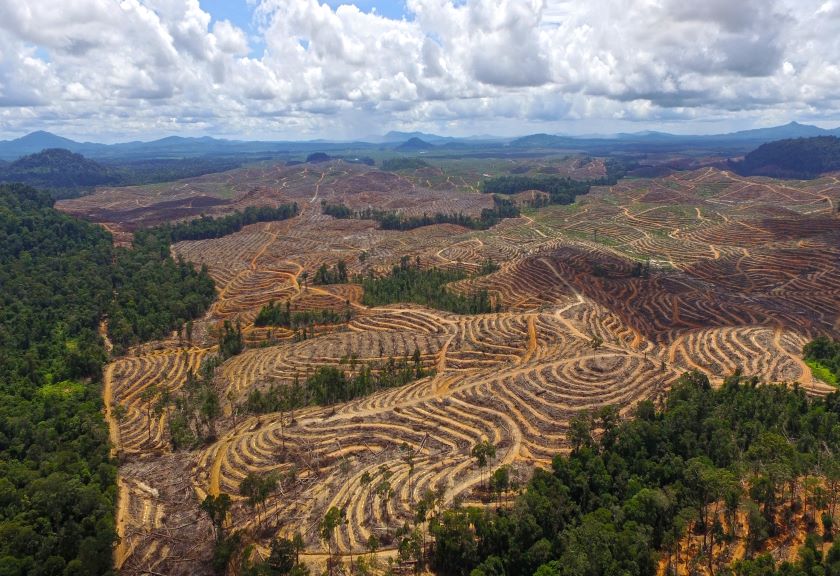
(408, 282)
(68, 175)
(59, 277)
(802, 158)
(216, 227)
(630, 492)
(395, 164)
(558, 189)
(330, 384)
(282, 315)
(502, 208)
(334, 275)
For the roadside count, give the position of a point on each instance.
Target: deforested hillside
(351, 374)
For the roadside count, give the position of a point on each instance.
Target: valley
(606, 301)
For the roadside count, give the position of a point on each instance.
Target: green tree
(483, 453)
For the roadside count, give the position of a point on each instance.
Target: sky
(113, 70)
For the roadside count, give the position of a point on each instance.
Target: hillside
(802, 158)
(714, 479)
(604, 301)
(65, 174)
(415, 145)
(62, 172)
(59, 278)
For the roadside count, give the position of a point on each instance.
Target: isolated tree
(332, 520)
(383, 489)
(118, 412)
(283, 556)
(216, 508)
(365, 480)
(408, 454)
(500, 481)
(256, 489)
(483, 452)
(147, 396)
(372, 544)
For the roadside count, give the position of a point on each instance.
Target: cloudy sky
(125, 69)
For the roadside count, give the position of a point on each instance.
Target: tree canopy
(409, 282)
(630, 491)
(793, 158)
(59, 277)
(210, 227)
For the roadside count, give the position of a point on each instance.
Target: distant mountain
(415, 145)
(62, 172)
(41, 140)
(540, 141)
(801, 158)
(791, 130)
(396, 137)
(170, 148)
(182, 148)
(663, 139)
(37, 141)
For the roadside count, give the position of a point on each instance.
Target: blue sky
(148, 68)
(241, 12)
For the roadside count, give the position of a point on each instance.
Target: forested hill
(67, 175)
(58, 278)
(802, 158)
(61, 171)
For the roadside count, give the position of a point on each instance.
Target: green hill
(60, 171)
(802, 158)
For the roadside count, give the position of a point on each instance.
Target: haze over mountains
(178, 146)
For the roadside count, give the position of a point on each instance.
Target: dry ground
(742, 273)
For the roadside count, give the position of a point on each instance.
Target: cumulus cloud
(138, 67)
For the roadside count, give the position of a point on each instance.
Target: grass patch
(821, 372)
(63, 389)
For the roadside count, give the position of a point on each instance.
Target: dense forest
(67, 175)
(631, 491)
(58, 278)
(395, 164)
(502, 208)
(210, 227)
(330, 384)
(273, 314)
(154, 294)
(794, 158)
(823, 356)
(560, 189)
(409, 282)
(62, 172)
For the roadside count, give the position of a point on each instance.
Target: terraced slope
(603, 302)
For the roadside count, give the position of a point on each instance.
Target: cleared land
(605, 301)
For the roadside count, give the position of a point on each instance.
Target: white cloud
(141, 67)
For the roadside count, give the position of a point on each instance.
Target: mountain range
(183, 147)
